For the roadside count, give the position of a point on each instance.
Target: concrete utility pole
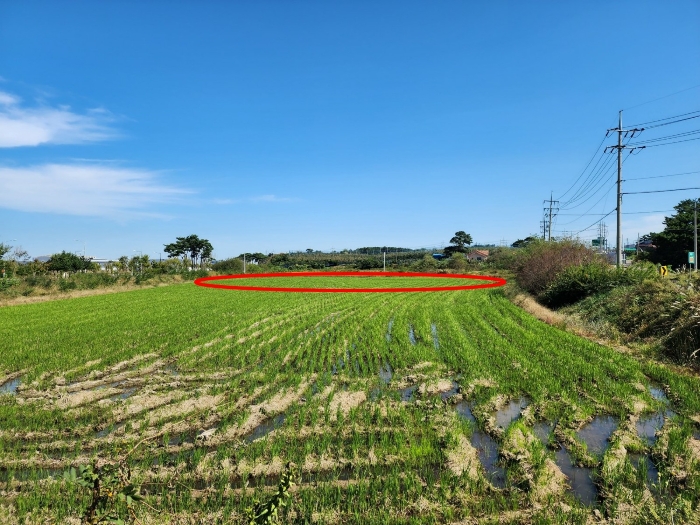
(384, 253)
(549, 213)
(695, 234)
(244, 263)
(619, 149)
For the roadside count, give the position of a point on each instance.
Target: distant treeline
(362, 258)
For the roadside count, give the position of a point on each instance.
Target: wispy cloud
(79, 189)
(226, 201)
(21, 125)
(643, 225)
(271, 198)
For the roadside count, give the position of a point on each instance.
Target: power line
(584, 169)
(672, 122)
(659, 191)
(662, 176)
(667, 118)
(592, 180)
(624, 213)
(594, 205)
(674, 136)
(668, 143)
(665, 96)
(596, 222)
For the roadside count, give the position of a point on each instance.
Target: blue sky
(275, 126)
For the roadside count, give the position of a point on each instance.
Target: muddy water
(26, 474)
(580, 478)
(411, 335)
(108, 430)
(642, 462)
(388, 330)
(265, 428)
(408, 393)
(648, 425)
(126, 394)
(657, 392)
(451, 392)
(486, 447)
(510, 412)
(10, 387)
(464, 411)
(433, 330)
(596, 434)
(543, 430)
(386, 373)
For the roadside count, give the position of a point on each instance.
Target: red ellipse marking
(495, 282)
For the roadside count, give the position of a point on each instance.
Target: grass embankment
(40, 288)
(370, 396)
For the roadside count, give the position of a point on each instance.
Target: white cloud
(270, 198)
(79, 189)
(633, 225)
(32, 126)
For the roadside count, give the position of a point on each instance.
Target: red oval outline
(496, 282)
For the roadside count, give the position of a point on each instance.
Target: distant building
(478, 255)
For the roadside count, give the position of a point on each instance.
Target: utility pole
(549, 213)
(619, 149)
(244, 263)
(695, 234)
(384, 253)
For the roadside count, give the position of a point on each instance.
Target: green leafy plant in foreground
(112, 493)
(268, 513)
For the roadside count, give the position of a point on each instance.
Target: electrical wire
(665, 96)
(592, 179)
(589, 182)
(662, 176)
(584, 169)
(596, 222)
(669, 123)
(663, 119)
(668, 143)
(659, 191)
(596, 204)
(674, 136)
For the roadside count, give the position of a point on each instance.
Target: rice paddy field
(434, 407)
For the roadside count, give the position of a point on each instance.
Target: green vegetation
(632, 304)
(205, 395)
(676, 240)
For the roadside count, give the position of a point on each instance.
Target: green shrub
(231, 266)
(539, 263)
(194, 274)
(66, 284)
(457, 262)
(578, 282)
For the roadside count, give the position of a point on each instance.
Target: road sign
(691, 257)
(663, 270)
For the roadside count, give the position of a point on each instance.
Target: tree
(192, 245)
(4, 249)
(68, 262)
(521, 243)
(457, 262)
(459, 242)
(674, 243)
